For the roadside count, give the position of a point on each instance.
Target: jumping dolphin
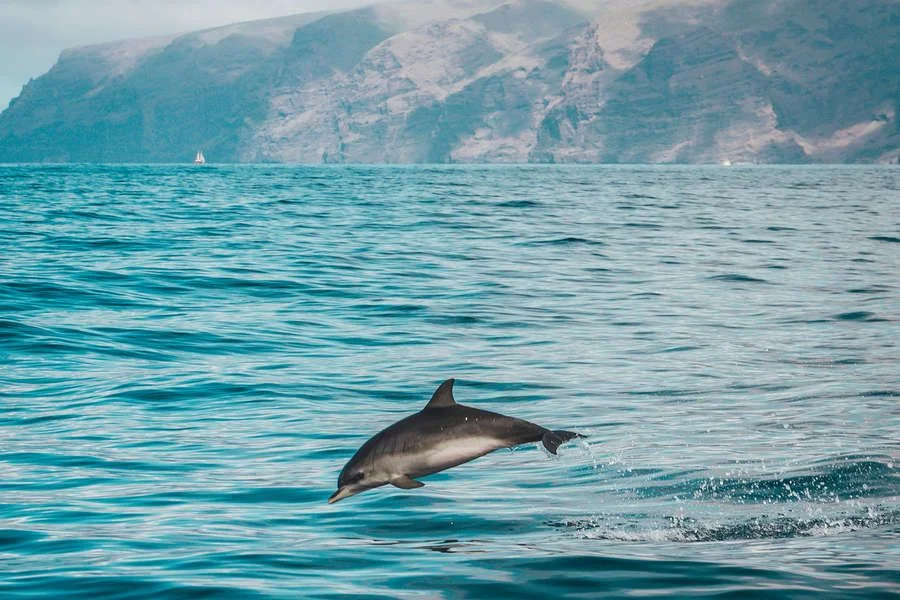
(442, 435)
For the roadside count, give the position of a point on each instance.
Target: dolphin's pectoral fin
(553, 439)
(406, 482)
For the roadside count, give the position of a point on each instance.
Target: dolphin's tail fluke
(553, 439)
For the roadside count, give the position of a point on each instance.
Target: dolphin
(444, 434)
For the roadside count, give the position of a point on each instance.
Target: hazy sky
(33, 32)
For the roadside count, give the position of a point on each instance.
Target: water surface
(189, 355)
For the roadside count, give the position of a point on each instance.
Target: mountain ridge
(702, 81)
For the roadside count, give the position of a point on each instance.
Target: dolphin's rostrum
(442, 435)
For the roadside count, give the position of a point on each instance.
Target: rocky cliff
(485, 81)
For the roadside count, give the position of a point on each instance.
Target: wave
(836, 496)
(859, 315)
(737, 278)
(846, 478)
(688, 530)
(564, 241)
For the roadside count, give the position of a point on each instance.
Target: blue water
(188, 356)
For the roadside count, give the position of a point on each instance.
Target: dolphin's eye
(355, 477)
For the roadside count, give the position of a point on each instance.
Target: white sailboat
(199, 159)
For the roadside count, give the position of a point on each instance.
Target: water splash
(588, 450)
(835, 496)
(682, 528)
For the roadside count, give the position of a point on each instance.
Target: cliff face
(528, 80)
(149, 100)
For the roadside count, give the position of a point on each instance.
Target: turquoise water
(188, 356)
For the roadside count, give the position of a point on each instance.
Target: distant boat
(199, 159)
(726, 163)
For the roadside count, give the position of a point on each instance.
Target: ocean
(189, 355)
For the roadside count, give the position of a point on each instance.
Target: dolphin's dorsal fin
(443, 396)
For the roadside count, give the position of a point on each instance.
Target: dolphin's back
(439, 438)
(465, 421)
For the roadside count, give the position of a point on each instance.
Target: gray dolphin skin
(444, 434)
